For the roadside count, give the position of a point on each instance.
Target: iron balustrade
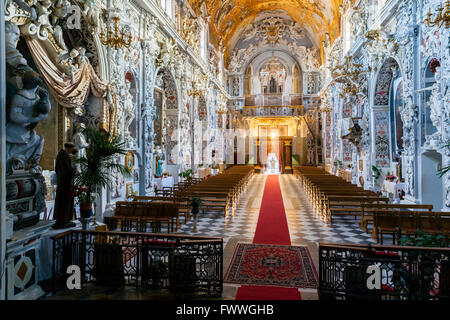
(263, 111)
(186, 265)
(406, 273)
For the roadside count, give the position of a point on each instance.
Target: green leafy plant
(339, 162)
(95, 167)
(376, 172)
(422, 240)
(188, 174)
(195, 205)
(419, 282)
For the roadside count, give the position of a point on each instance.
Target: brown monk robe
(63, 212)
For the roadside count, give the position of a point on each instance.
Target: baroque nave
(235, 150)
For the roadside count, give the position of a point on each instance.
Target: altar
(393, 189)
(165, 182)
(272, 164)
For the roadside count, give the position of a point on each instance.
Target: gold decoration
(226, 22)
(119, 39)
(442, 17)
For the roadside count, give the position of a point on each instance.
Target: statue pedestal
(22, 262)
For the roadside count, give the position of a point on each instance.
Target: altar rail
(186, 265)
(407, 273)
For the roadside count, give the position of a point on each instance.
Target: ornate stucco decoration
(191, 32)
(380, 46)
(352, 75)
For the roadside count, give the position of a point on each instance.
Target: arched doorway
(165, 124)
(388, 124)
(430, 186)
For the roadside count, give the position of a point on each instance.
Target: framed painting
(129, 160)
(129, 189)
(136, 176)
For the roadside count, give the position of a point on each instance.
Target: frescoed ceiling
(229, 17)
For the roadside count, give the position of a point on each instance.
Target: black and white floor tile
(304, 225)
(241, 224)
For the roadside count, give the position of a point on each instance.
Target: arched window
(203, 42)
(396, 103)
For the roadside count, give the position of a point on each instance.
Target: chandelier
(442, 17)
(117, 40)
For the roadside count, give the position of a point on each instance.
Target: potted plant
(339, 163)
(195, 209)
(376, 172)
(96, 165)
(85, 201)
(391, 177)
(186, 174)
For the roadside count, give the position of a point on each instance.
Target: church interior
(232, 150)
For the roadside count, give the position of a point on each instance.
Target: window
(396, 102)
(428, 128)
(166, 5)
(203, 41)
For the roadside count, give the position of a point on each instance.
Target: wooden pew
(407, 223)
(367, 210)
(140, 215)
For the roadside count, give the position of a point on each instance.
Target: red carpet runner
(272, 228)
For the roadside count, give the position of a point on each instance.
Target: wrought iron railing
(261, 111)
(274, 99)
(186, 265)
(351, 272)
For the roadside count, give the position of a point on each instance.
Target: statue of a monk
(64, 201)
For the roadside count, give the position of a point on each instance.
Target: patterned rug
(272, 265)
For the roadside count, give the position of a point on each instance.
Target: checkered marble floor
(305, 226)
(242, 224)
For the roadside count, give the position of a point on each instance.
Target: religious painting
(129, 190)
(136, 176)
(382, 141)
(361, 165)
(157, 124)
(129, 160)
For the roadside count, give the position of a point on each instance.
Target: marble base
(23, 263)
(31, 294)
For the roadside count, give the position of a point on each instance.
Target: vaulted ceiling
(229, 17)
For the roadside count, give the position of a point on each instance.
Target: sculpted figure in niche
(129, 108)
(236, 86)
(79, 139)
(28, 106)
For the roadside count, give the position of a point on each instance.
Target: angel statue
(27, 108)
